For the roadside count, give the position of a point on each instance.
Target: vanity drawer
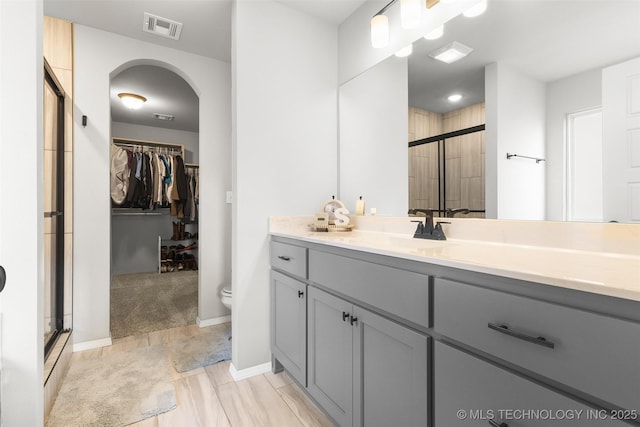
(289, 258)
(470, 392)
(596, 354)
(401, 293)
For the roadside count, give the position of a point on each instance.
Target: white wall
(21, 221)
(285, 147)
(515, 117)
(98, 54)
(190, 140)
(373, 138)
(564, 96)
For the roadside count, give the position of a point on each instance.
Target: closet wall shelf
(139, 212)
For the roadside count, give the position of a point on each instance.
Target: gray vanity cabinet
(364, 369)
(288, 324)
(471, 392)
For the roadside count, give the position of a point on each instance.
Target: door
(53, 207)
(330, 369)
(289, 324)
(390, 372)
(621, 134)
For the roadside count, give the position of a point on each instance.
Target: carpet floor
(147, 302)
(115, 390)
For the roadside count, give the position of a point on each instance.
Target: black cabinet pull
(495, 424)
(300, 294)
(284, 258)
(345, 316)
(354, 320)
(535, 340)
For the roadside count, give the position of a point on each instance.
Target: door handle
(3, 278)
(345, 316)
(354, 320)
(300, 294)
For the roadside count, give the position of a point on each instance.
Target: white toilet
(225, 295)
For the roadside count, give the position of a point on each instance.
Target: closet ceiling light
(455, 97)
(452, 52)
(131, 100)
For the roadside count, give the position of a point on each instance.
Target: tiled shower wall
(58, 51)
(465, 177)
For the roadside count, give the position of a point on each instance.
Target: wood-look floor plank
(219, 373)
(278, 380)
(197, 405)
(127, 344)
(253, 402)
(303, 407)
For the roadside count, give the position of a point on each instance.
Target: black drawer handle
(345, 316)
(300, 294)
(284, 258)
(354, 320)
(495, 424)
(536, 340)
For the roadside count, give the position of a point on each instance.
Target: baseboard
(249, 372)
(212, 322)
(88, 345)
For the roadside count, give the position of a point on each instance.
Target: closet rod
(149, 145)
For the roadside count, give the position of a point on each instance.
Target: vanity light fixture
(405, 51)
(452, 52)
(476, 10)
(380, 31)
(410, 13)
(454, 97)
(435, 34)
(131, 100)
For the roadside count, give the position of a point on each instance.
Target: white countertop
(612, 274)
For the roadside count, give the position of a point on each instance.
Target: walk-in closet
(154, 186)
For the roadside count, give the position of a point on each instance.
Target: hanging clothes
(119, 174)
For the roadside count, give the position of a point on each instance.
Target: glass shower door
(53, 205)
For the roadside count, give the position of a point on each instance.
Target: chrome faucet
(427, 230)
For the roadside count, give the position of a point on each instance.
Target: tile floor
(210, 397)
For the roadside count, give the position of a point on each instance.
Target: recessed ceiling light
(435, 34)
(452, 52)
(131, 100)
(455, 97)
(405, 51)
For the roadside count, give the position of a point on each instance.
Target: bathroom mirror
(558, 48)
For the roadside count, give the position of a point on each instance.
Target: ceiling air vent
(160, 116)
(161, 26)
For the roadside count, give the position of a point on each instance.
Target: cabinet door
(288, 324)
(330, 355)
(390, 371)
(470, 392)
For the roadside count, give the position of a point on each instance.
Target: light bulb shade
(379, 31)
(435, 34)
(131, 100)
(410, 13)
(405, 51)
(476, 10)
(454, 97)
